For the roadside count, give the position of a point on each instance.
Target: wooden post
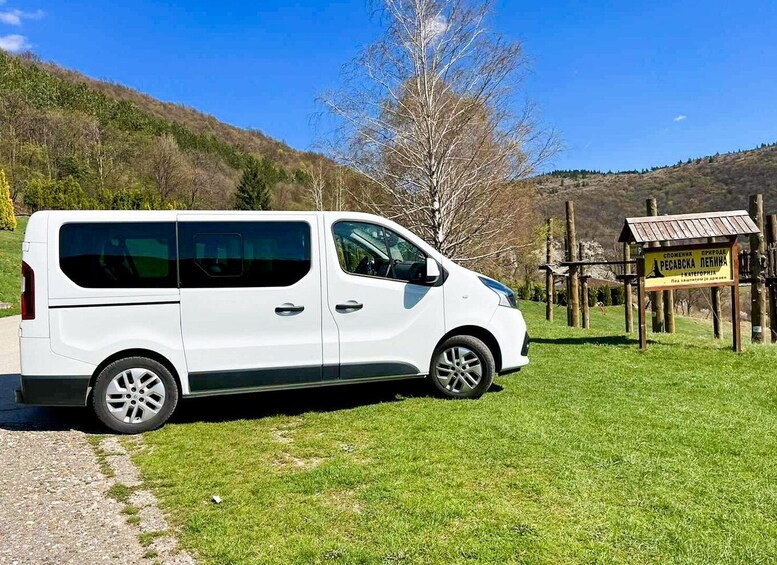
(737, 340)
(549, 294)
(627, 290)
(669, 311)
(641, 303)
(771, 236)
(567, 255)
(717, 311)
(584, 292)
(573, 298)
(757, 288)
(656, 298)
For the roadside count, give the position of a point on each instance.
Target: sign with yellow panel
(679, 267)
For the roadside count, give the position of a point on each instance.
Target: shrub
(7, 218)
(130, 199)
(50, 194)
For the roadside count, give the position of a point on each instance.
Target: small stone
(216, 499)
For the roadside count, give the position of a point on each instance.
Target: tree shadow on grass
(618, 340)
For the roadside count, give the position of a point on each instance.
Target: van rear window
(119, 255)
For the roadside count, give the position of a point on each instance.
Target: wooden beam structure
(573, 296)
(586, 312)
(771, 242)
(628, 312)
(736, 330)
(669, 326)
(641, 304)
(717, 312)
(757, 258)
(549, 282)
(656, 298)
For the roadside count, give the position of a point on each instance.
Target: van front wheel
(462, 367)
(134, 395)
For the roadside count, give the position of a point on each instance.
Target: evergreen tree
(7, 218)
(254, 191)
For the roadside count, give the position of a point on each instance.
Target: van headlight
(505, 293)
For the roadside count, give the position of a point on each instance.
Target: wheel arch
(483, 335)
(137, 352)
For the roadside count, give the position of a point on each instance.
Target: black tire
(449, 389)
(149, 396)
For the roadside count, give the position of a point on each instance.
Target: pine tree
(254, 191)
(7, 218)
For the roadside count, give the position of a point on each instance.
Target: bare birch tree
(315, 184)
(427, 117)
(325, 185)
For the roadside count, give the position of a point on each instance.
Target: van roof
(37, 226)
(128, 213)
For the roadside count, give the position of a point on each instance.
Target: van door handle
(288, 309)
(349, 306)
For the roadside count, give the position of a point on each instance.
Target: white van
(129, 311)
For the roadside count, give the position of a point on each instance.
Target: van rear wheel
(134, 395)
(462, 367)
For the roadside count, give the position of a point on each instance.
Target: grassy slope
(10, 266)
(251, 140)
(595, 453)
(701, 186)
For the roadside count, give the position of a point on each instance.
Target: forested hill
(79, 142)
(603, 200)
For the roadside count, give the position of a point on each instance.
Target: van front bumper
(509, 328)
(58, 390)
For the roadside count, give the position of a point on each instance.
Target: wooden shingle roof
(681, 227)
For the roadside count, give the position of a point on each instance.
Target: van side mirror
(432, 271)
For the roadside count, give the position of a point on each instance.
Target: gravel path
(53, 503)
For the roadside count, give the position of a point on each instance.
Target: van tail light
(28, 292)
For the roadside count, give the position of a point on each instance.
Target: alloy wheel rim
(135, 395)
(459, 369)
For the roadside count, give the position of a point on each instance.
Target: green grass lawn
(594, 453)
(11, 266)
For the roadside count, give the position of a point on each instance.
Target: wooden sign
(688, 266)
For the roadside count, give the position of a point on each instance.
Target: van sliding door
(250, 301)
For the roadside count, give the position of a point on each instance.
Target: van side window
(219, 254)
(119, 255)
(372, 250)
(243, 254)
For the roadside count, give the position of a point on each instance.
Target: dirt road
(53, 506)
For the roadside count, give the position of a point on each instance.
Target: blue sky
(627, 84)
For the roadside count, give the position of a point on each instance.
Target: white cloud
(680, 118)
(15, 17)
(14, 43)
(433, 27)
